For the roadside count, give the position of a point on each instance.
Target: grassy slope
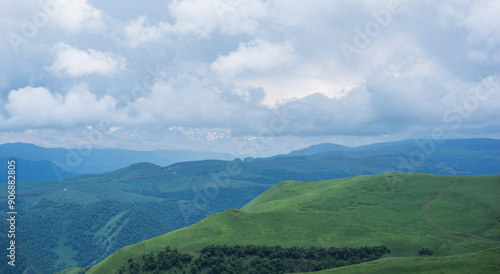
(485, 261)
(449, 214)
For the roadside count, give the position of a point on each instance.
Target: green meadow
(406, 212)
(485, 261)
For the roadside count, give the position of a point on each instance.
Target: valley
(249, 137)
(182, 194)
(352, 212)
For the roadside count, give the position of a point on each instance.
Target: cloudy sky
(248, 77)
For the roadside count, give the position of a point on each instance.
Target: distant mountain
(477, 144)
(184, 193)
(34, 170)
(318, 149)
(65, 163)
(446, 215)
(447, 157)
(55, 163)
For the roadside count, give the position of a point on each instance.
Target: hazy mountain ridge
(65, 163)
(35, 170)
(184, 193)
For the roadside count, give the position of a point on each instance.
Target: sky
(247, 77)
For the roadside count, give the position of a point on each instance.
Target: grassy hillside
(184, 193)
(485, 261)
(86, 218)
(448, 214)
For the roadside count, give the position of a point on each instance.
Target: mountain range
(157, 200)
(39, 163)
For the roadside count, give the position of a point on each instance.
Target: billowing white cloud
(282, 73)
(140, 31)
(74, 15)
(201, 17)
(228, 64)
(73, 62)
(389, 105)
(186, 102)
(70, 15)
(38, 107)
(254, 56)
(194, 16)
(480, 20)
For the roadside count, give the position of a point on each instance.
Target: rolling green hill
(447, 214)
(86, 218)
(485, 261)
(184, 193)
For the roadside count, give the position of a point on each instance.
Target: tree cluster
(425, 251)
(277, 259)
(216, 259)
(160, 262)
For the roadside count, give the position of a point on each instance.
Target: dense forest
(180, 210)
(217, 259)
(83, 233)
(78, 221)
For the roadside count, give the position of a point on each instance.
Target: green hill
(485, 261)
(447, 214)
(184, 193)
